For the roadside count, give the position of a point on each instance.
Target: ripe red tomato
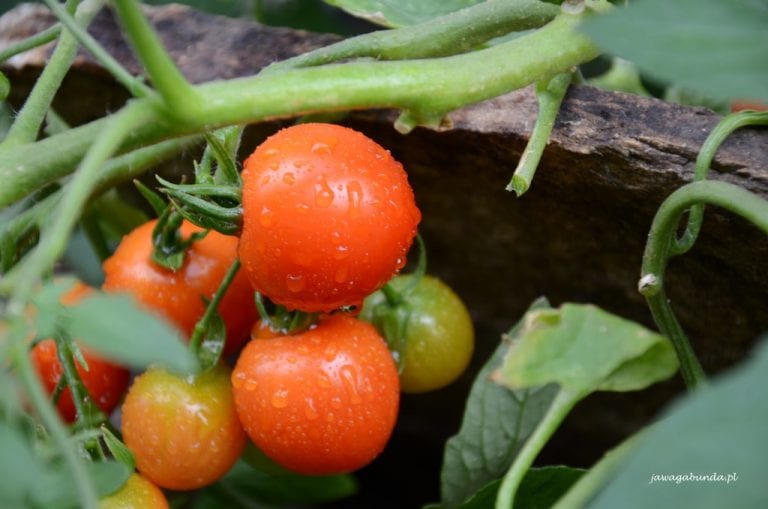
(328, 217)
(320, 402)
(136, 493)
(177, 295)
(183, 431)
(439, 336)
(106, 382)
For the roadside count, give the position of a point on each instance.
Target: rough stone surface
(577, 235)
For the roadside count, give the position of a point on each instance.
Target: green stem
(53, 241)
(550, 95)
(658, 250)
(88, 497)
(88, 414)
(562, 404)
(716, 137)
(429, 88)
(579, 495)
(130, 82)
(27, 123)
(33, 41)
(201, 327)
(454, 33)
(178, 94)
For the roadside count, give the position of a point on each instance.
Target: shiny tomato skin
(177, 295)
(106, 382)
(439, 335)
(324, 401)
(136, 493)
(328, 217)
(183, 431)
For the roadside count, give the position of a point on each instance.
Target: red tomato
(106, 382)
(178, 295)
(320, 402)
(183, 431)
(328, 217)
(136, 493)
(743, 104)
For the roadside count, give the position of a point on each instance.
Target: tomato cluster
(328, 219)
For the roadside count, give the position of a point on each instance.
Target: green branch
(460, 31)
(27, 123)
(550, 94)
(658, 251)
(176, 91)
(33, 41)
(427, 89)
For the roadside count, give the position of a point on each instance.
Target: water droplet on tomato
(291, 359)
(266, 218)
(302, 207)
(330, 353)
(321, 148)
(340, 252)
(354, 198)
(238, 380)
(349, 379)
(329, 417)
(279, 399)
(310, 412)
(336, 403)
(289, 178)
(341, 275)
(271, 152)
(250, 385)
(303, 350)
(323, 194)
(295, 282)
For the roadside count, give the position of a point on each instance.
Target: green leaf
(56, 488)
(720, 430)
(20, 469)
(243, 483)
(540, 489)
(398, 13)
(583, 348)
(115, 326)
(117, 448)
(714, 47)
(496, 423)
(48, 306)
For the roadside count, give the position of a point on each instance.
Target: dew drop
(250, 385)
(238, 380)
(302, 349)
(354, 197)
(323, 194)
(310, 412)
(349, 379)
(291, 359)
(266, 218)
(271, 152)
(336, 403)
(340, 252)
(279, 399)
(321, 148)
(341, 275)
(289, 178)
(329, 417)
(295, 282)
(302, 207)
(330, 353)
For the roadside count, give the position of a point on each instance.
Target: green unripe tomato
(437, 333)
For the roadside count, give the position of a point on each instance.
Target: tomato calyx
(281, 320)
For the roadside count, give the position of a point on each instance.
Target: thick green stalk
(550, 95)
(658, 250)
(428, 89)
(27, 123)
(454, 33)
(562, 404)
(178, 94)
(53, 240)
(703, 161)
